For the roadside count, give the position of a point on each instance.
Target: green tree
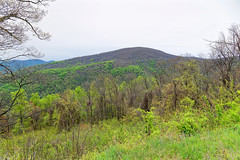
(84, 111)
(21, 111)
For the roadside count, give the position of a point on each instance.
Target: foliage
(148, 119)
(218, 144)
(112, 140)
(129, 69)
(22, 110)
(190, 120)
(228, 113)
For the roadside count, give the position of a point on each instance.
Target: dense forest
(132, 103)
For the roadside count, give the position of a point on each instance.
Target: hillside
(122, 57)
(124, 64)
(19, 64)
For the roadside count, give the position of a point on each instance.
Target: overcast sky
(85, 27)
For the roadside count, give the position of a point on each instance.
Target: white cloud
(81, 27)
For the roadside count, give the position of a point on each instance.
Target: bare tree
(18, 18)
(226, 52)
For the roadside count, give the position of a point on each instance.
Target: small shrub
(190, 121)
(232, 115)
(228, 113)
(148, 118)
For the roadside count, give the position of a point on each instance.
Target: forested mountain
(121, 57)
(125, 64)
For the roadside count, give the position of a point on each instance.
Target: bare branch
(17, 19)
(225, 52)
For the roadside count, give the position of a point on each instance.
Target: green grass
(113, 139)
(222, 143)
(51, 144)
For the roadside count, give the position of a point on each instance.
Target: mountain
(19, 64)
(121, 57)
(30, 62)
(123, 64)
(126, 54)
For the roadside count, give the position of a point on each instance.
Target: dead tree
(225, 52)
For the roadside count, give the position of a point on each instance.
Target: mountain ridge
(125, 64)
(20, 64)
(122, 57)
(126, 53)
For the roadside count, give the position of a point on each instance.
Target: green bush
(228, 113)
(148, 118)
(190, 121)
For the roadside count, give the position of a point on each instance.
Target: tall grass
(81, 140)
(217, 144)
(125, 139)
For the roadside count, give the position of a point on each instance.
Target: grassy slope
(218, 144)
(123, 140)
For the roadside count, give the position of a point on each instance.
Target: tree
(21, 111)
(17, 19)
(226, 52)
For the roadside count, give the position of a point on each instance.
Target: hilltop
(121, 57)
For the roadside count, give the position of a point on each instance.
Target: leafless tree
(226, 52)
(18, 18)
